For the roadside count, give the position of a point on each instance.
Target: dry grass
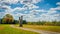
(39, 27)
(1, 27)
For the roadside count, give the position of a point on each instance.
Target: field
(6, 29)
(47, 28)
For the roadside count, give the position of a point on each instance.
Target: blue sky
(32, 10)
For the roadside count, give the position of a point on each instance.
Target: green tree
(8, 19)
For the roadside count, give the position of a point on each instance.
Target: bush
(15, 22)
(0, 21)
(48, 23)
(24, 22)
(58, 23)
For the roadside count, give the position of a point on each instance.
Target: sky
(32, 10)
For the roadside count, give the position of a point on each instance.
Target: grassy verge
(47, 28)
(6, 29)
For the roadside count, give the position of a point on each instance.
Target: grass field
(6, 29)
(48, 28)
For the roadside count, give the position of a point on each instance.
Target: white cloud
(19, 8)
(21, 1)
(30, 1)
(1, 14)
(51, 15)
(57, 8)
(38, 11)
(31, 17)
(7, 9)
(31, 6)
(53, 10)
(9, 1)
(48, 17)
(36, 1)
(58, 3)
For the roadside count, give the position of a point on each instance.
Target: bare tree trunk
(21, 21)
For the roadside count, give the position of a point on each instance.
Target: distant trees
(48, 23)
(58, 23)
(0, 21)
(8, 19)
(16, 22)
(24, 22)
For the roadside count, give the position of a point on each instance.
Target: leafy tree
(8, 19)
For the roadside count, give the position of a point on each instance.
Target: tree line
(52, 23)
(8, 19)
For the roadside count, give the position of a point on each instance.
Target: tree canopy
(8, 18)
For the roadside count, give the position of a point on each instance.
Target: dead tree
(21, 21)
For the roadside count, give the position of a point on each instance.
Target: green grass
(47, 28)
(6, 29)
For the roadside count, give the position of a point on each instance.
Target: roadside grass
(46, 28)
(6, 29)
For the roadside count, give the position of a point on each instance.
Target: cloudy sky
(32, 10)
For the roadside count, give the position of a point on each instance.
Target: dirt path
(38, 31)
